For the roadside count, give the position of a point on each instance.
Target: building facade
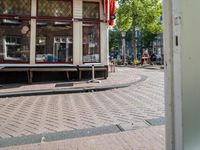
(56, 34)
(54, 31)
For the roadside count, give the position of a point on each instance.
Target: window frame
(16, 15)
(66, 62)
(90, 19)
(95, 23)
(54, 17)
(14, 35)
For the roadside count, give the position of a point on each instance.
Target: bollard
(93, 76)
(93, 72)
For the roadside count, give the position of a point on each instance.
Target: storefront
(36, 32)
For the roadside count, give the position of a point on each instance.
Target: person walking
(145, 57)
(153, 58)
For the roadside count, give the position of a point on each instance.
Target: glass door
(61, 49)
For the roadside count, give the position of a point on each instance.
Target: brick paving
(152, 138)
(128, 106)
(43, 114)
(121, 76)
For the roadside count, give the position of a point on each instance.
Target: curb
(71, 90)
(57, 136)
(152, 67)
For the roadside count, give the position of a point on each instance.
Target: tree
(114, 38)
(142, 15)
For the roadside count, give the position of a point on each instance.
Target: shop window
(58, 35)
(15, 7)
(90, 10)
(55, 8)
(91, 44)
(14, 41)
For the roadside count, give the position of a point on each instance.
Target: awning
(109, 10)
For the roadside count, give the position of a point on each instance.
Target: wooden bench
(51, 69)
(10, 69)
(96, 68)
(30, 70)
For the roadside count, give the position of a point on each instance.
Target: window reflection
(58, 35)
(90, 10)
(56, 8)
(15, 7)
(14, 40)
(91, 49)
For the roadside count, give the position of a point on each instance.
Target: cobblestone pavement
(43, 114)
(142, 139)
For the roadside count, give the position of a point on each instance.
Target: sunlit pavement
(142, 139)
(129, 108)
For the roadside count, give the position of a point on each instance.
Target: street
(130, 108)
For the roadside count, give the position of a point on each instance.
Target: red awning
(111, 16)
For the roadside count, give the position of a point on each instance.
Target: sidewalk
(152, 138)
(74, 121)
(123, 77)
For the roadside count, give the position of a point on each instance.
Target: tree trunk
(134, 39)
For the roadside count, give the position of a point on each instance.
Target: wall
(190, 73)
(182, 74)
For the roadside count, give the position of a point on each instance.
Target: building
(158, 47)
(35, 33)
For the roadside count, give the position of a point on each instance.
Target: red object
(112, 12)
(110, 17)
(145, 57)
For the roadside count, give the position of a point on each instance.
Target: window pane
(54, 42)
(61, 8)
(91, 44)
(15, 7)
(91, 10)
(14, 40)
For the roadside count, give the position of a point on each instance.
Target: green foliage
(114, 38)
(142, 15)
(118, 61)
(147, 37)
(136, 62)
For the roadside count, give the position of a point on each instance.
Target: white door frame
(173, 91)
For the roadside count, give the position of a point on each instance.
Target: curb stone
(71, 90)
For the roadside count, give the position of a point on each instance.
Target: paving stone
(53, 113)
(152, 138)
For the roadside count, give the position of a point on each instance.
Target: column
(77, 32)
(77, 43)
(33, 31)
(104, 43)
(168, 50)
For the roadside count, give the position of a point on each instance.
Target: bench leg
(106, 73)
(80, 75)
(30, 77)
(67, 75)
